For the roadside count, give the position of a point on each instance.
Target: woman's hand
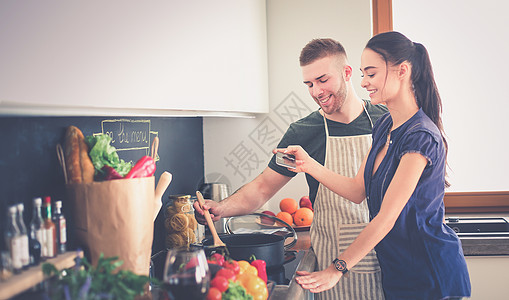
(320, 281)
(304, 162)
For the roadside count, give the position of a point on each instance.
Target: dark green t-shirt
(309, 133)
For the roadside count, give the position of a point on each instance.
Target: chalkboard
(29, 165)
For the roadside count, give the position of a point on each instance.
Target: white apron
(338, 221)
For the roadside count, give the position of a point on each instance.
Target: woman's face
(378, 78)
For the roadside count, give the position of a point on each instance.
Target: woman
(403, 180)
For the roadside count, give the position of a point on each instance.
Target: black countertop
(477, 246)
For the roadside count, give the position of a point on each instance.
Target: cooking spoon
(218, 244)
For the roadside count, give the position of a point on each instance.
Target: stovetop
(282, 275)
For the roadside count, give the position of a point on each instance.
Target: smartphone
(285, 160)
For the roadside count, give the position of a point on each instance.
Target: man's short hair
(320, 48)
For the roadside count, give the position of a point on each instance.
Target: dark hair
(396, 48)
(320, 48)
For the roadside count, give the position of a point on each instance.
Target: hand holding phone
(285, 160)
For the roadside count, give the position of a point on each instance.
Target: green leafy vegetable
(84, 281)
(102, 153)
(236, 292)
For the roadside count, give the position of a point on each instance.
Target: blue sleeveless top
(421, 257)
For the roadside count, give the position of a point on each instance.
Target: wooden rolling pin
(161, 187)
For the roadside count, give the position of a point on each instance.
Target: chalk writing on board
(131, 138)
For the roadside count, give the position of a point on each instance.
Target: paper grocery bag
(115, 218)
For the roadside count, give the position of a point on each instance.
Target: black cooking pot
(268, 247)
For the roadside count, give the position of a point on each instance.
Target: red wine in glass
(186, 275)
(184, 286)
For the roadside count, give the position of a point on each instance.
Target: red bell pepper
(110, 173)
(261, 266)
(144, 167)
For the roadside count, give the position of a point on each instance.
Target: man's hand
(245, 200)
(214, 210)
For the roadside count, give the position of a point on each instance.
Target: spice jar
(180, 223)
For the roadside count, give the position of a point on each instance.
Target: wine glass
(186, 274)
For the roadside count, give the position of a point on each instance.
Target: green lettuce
(102, 153)
(236, 292)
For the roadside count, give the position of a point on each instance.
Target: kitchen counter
(293, 291)
(303, 241)
(478, 246)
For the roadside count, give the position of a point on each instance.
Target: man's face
(326, 83)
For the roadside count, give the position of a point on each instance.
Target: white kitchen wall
(468, 45)
(237, 150)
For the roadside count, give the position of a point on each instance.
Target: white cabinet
(133, 57)
(488, 276)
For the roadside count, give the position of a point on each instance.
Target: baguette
(78, 164)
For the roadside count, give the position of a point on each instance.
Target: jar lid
(181, 203)
(180, 197)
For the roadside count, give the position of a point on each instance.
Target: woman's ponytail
(425, 88)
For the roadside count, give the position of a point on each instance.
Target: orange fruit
(303, 217)
(283, 215)
(288, 205)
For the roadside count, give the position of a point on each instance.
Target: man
(337, 135)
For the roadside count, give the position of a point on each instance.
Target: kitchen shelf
(28, 278)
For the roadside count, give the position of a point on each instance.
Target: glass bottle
(13, 240)
(50, 230)
(37, 232)
(35, 251)
(25, 254)
(60, 223)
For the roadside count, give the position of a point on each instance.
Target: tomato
(227, 273)
(232, 265)
(254, 285)
(220, 282)
(214, 294)
(218, 258)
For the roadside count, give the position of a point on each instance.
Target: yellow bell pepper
(246, 267)
(254, 285)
